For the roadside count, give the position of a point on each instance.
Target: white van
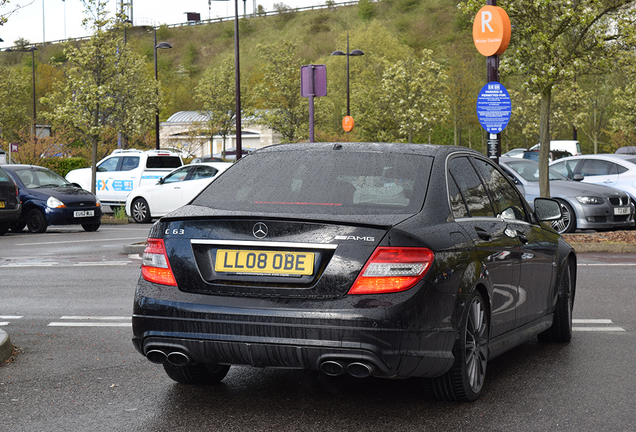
(571, 146)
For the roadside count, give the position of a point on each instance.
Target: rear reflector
(393, 269)
(155, 266)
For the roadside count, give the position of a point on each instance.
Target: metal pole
(311, 104)
(347, 72)
(157, 83)
(33, 81)
(239, 146)
(492, 74)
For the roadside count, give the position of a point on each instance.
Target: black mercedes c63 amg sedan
(368, 259)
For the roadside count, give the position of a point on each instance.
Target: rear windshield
(163, 162)
(331, 182)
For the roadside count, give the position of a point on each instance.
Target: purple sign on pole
(313, 80)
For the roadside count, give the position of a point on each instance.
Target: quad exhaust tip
(355, 369)
(176, 358)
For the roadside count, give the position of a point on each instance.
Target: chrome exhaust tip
(178, 358)
(156, 356)
(331, 368)
(359, 370)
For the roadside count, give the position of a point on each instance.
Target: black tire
(4, 228)
(36, 221)
(18, 226)
(561, 330)
(140, 211)
(201, 373)
(567, 223)
(465, 380)
(91, 227)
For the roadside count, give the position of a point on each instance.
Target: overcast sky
(54, 20)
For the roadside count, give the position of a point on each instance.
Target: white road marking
(82, 241)
(605, 264)
(88, 324)
(595, 329)
(4, 323)
(68, 264)
(599, 329)
(78, 317)
(92, 321)
(591, 321)
(10, 316)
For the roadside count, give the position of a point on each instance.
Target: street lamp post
(160, 45)
(237, 80)
(32, 50)
(348, 54)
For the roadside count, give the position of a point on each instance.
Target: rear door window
(471, 188)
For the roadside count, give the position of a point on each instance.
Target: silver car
(584, 205)
(615, 170)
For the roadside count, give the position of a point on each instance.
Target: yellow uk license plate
(1, 204)
(266, 262)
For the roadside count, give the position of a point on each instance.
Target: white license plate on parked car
(84, 213)
(621, 211)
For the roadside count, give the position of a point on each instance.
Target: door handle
(522, 237)
(483, 234)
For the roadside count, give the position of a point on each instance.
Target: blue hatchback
(49, 199)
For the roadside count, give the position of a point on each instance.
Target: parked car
(615, 170)
(570, 146)
(230, 154)
(49, 199)
(552, 156)
(10, 205)
(385, 260)
(584, 205)
(123, 171)
(626, 150)
(172, 191)
(207, 158)
(515, 153)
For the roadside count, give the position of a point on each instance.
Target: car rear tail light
(392, 269)
(155, 266)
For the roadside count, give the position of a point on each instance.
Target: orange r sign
(491, 31)
(347, 123)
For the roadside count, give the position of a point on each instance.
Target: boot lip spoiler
(264, 243)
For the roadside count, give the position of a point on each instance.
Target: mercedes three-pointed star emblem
(260, 230)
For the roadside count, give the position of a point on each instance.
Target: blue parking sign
(494, 107)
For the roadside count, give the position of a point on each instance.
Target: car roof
(420, 149)
(603, 156)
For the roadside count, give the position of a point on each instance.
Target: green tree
(13, 107)
(107, 86)
(277, 95)
(381, 50)
(553, 42)
(216, 92)
(413, 90)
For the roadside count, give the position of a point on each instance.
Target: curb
(5, 346)
(604, 247)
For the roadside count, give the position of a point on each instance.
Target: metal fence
(146, 22)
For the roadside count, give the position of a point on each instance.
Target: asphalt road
(66, 299)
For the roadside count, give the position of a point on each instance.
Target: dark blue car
(49, 199)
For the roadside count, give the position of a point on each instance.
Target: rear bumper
(325, 337)
(10, 215)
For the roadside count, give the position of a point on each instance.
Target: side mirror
(578, 177)
(160, 181)
(546, 209)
